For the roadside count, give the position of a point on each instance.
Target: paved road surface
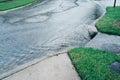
(41, 28)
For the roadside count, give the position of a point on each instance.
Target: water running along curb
(21, 68)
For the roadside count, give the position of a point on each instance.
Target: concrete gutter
(101, 11)
(33, 63)
(29, 64)
(58, 67)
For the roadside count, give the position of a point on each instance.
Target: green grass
(2, 0)
(93, 64)
(14, 4)
(107, 24)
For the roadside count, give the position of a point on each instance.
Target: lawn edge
(74, 65)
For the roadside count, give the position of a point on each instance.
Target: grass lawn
(110, 22)
(14, 4)
(93, 64)
(2, 0)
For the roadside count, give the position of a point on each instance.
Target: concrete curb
(31, 63)
(58, 67)
(26, 65)
(102, 13)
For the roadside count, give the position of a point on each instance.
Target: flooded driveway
(42, 28)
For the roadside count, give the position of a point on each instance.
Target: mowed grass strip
(2, 0)
(110, 22)
(14, 4)
(93, 64)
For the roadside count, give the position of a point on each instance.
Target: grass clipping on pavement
(93, 64)
(110, 22)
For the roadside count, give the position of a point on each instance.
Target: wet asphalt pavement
(44, 27)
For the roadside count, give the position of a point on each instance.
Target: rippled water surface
(42, 28)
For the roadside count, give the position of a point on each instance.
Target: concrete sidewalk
(53, 68)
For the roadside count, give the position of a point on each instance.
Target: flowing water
(42, 28)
